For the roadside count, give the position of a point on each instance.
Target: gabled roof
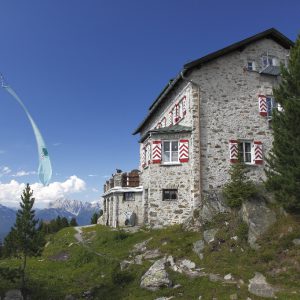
(271, 33)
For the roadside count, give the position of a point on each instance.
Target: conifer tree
(73, 222)
(24, 239)
(94, 218)
(283, 164)
(239, 188)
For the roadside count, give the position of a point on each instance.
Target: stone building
(217, 106)
(122, 200)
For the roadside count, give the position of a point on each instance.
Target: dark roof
(171, 129)
(271, 70)
(271, 33)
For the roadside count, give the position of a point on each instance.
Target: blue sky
(88, 71)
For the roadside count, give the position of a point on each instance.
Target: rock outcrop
(13, 295)
(258, 217)
(212, 205)
(259, 286)
(156, 277)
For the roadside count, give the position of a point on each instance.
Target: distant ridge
(82, 211)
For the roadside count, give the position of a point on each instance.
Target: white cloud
(56, 144)
(95, 190)
(10, 192)
(4, 170)
(23, 173)
(92, 175)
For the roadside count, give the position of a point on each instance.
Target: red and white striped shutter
(148, 156)
(176, 112)
(143, 158)
(171, 118)
(184, 151)
(184, 105)
(233, 151)
(262, 105)
(156, 152)
(258, 153)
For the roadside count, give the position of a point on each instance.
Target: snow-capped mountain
(7, 220)
(82, 211)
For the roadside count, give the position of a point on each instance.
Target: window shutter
(143, 158)
(148, 156)
(183, 151)
(156, 152)
(170, 118)
(233, 151)
(258, 153)
(262, 105)
(176, 113)
(184, 105)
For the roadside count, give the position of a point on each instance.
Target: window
(268, 60)
(170, 151)
(251, 66)
(129, 196)
(271, 104)
(245, 152)
(170, 195)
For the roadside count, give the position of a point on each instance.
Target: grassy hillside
(92, 270)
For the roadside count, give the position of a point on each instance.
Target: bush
(121, 278)
(242, 231)
(121, 235)
(239, 188)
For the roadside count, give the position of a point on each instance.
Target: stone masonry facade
(218, 107)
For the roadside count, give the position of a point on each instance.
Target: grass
(95, 266)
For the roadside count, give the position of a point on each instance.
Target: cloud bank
(10, 192)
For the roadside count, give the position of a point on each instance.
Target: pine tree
(25, 239)
(73, 222)
(94, 218)
(283, 164)
(239, 188)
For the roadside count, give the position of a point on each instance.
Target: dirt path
(79, 239)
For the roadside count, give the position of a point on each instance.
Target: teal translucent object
(45, 169)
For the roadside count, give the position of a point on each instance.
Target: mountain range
(82, 211)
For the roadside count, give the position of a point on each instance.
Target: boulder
(198, 248)
(296, 242)
(156, 277)
(13, 295)
(209, 235)
(258, 217)
(212, 205)
(141, 247)
(259, 286)
(185, 266)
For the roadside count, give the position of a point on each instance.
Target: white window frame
(170, 151)
(270, 60)
(244, 152)
(253, 65)
(274, 105)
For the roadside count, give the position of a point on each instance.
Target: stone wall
(229, 109)
(157, 177)
(117, 209)
(223, 105)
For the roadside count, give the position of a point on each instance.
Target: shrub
(121, 278)
(121, 235)
(239, 188)
(242, 231)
